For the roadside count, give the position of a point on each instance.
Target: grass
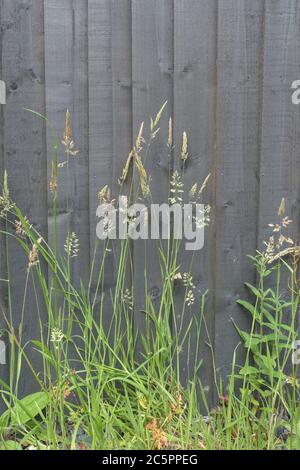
(112, 387)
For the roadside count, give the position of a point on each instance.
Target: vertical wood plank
(240, 40)
(59, 68)
(121, 85)
(195, 34)
(122, 105)
(110, 113)
(80, 112)
(280, 160)
(292, 71)
(100, 127)
(66, 65)
(152, 74)
(24, 147)
(4, 370)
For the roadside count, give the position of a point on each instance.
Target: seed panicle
(68, 137)
(72, 245)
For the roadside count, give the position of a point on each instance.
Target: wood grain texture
(152, 75)
(225, 67)
(279, 155)
(240, 49)
(121, 58)
(4, 372)
(24, 147)
(67, 88)
(100, 133)
(80, 113)
(195, 55)
(279, 169)
(100, 103)
(59, 70)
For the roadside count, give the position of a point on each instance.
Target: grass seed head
(72, 245)
(184, 148)
(67, 141)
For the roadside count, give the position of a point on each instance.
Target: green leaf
(249, 307)
(250, 340)
(248, 370)
(25, 410)
(267, 364)
(253, 289)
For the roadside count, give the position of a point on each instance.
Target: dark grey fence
(225, 67)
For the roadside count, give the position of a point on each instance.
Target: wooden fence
(225, 67)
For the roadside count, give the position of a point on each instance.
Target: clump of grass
(110, 387)
(270, 386)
